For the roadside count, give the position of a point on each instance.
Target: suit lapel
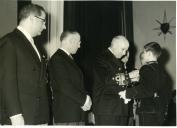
(29, 48)
(71, 61)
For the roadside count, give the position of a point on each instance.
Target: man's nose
(79, 45)
(44, 26)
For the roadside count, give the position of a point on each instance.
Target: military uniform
(108, 108)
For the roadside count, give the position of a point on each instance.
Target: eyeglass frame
(44, 20)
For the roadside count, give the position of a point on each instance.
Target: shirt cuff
(86, 101)
(15, 116)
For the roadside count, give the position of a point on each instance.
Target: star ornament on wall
(165, 27)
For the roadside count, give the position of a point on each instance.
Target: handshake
(122, 95)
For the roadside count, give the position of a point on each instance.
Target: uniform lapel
(115, 62)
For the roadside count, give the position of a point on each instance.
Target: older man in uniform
(108, 108)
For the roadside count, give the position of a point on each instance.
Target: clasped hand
(88, 104)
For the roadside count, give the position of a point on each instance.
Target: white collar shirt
(110, 50)
(28, 36)
(66, 52)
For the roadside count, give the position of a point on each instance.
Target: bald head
(119, 46)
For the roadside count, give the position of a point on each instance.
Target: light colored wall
(144, 15)
(55, 10)
(8, 16)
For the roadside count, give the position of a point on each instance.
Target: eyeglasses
(40, 19)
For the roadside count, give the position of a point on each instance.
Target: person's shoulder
(55, 59)
(11, 35)
(101, 57)
(7, 39)
(56, 54)
(147, 67)
(103, 54)
(7, 36)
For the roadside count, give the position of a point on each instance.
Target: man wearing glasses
(24, 98)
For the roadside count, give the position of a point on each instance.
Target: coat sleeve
(63, 83)
(9, 78)
(145, 88)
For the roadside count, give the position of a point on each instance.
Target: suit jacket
(106, 100)
(152, 80)
(68, 88)
(22, 80)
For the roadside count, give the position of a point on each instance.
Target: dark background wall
(98, 22)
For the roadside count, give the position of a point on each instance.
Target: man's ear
(67, 40)
(31, 17)
(72, 39)
(149, 53)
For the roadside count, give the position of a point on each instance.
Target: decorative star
(165, 26)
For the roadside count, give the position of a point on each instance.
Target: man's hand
(17, 120)
(88, 104)
(134, 75)
(91, 117)
(136, 79)
(123, 96)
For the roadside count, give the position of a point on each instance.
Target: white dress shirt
(66, 52)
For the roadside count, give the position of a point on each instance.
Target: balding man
(70, 99)
(24, 96)
(108, 108)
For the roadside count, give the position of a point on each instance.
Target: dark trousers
(154, 119)
(111, 120)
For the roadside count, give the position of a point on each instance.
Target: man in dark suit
(24, 98)
(108, 108)
(70, 99)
